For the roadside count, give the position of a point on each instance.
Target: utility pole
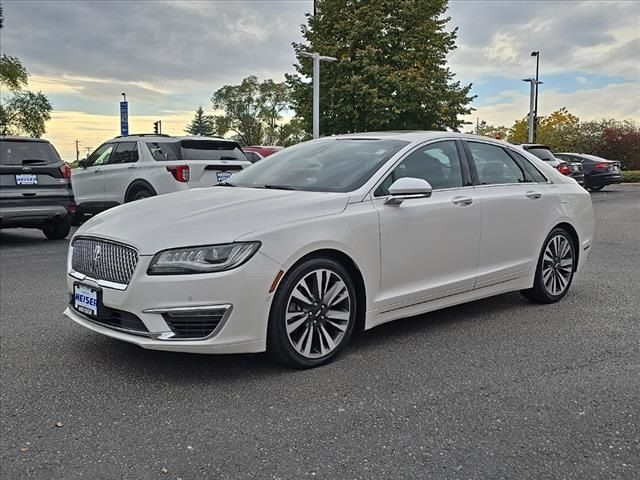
(77, 150)
(88, 149)
(316, 87)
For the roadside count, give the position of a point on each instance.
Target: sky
(170, 56)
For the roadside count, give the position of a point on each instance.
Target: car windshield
(543, 154)
(15, 152)
(327, 165)
(195, 150)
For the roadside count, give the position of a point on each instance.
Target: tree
(559, 130)
(483, 128)
(252, 110)
(391, 71)
(201, 124)
(21, 111)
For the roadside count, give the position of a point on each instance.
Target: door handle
(131, 167)
(533, 195)
(463, 201)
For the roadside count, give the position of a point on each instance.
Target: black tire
(540, 293)
(279, 344)
(139, 193)
(57, 229)
(596, 188)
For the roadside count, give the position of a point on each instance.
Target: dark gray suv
(35, 187)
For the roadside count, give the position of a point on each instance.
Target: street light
(535, 110)
(534, 87)
(316, 87)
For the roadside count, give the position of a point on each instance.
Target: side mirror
(408, 188)
(82, 163)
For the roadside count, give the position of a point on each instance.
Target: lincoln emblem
(97, 252)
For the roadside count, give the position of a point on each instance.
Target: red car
(258, 152)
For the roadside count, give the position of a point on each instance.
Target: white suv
(132, 167)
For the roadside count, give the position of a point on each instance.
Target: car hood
(207, 216)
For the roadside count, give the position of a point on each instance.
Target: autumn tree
(391, 71)
(201, 124)
(21, 112)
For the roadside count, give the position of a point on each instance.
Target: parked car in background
(598, 172)
(132, 167)
(568, 168)
(255, 153)
(345, 232)
(35, 191)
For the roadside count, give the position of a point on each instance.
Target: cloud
(619, 101)
(92, 130)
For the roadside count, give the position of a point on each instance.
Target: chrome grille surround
(103, 260)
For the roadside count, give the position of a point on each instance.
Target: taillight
(179, 172)
(601, 166)
(564, 169)
(65, 170)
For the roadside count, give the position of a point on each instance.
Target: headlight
(204, 259)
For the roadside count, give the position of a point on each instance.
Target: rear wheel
(57, 229)
(313, 314)
(554, 272)
(596, 188)
(139, 193)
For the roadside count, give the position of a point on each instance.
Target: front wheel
(554, 272)
(313, 314)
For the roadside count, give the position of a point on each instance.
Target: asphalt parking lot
(498, 388)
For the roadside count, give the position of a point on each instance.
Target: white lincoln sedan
(295, 252)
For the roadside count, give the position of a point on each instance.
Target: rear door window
(125, 152)
(494, 165)
(31, 153)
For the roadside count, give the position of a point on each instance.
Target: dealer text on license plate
(85, 299)
(223, 176)
(26, 179)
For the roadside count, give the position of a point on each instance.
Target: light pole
(316, 87)
(535, 109)
(532, 102)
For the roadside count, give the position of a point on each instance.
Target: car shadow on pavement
(173, 367)
(22, 237)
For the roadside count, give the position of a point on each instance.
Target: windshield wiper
(279, 187)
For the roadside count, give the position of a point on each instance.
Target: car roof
(144, 137)
(23, 139)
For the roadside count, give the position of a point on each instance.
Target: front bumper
(243, 291)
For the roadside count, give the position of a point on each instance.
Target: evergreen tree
(391, 71)
(201, 124)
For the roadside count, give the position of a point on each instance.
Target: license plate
(85, 299)
(26, 179)
(223, 176)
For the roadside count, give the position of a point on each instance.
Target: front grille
(194, 324)
(104, 260)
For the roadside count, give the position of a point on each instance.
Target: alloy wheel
(318, 313)
(557, 265)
